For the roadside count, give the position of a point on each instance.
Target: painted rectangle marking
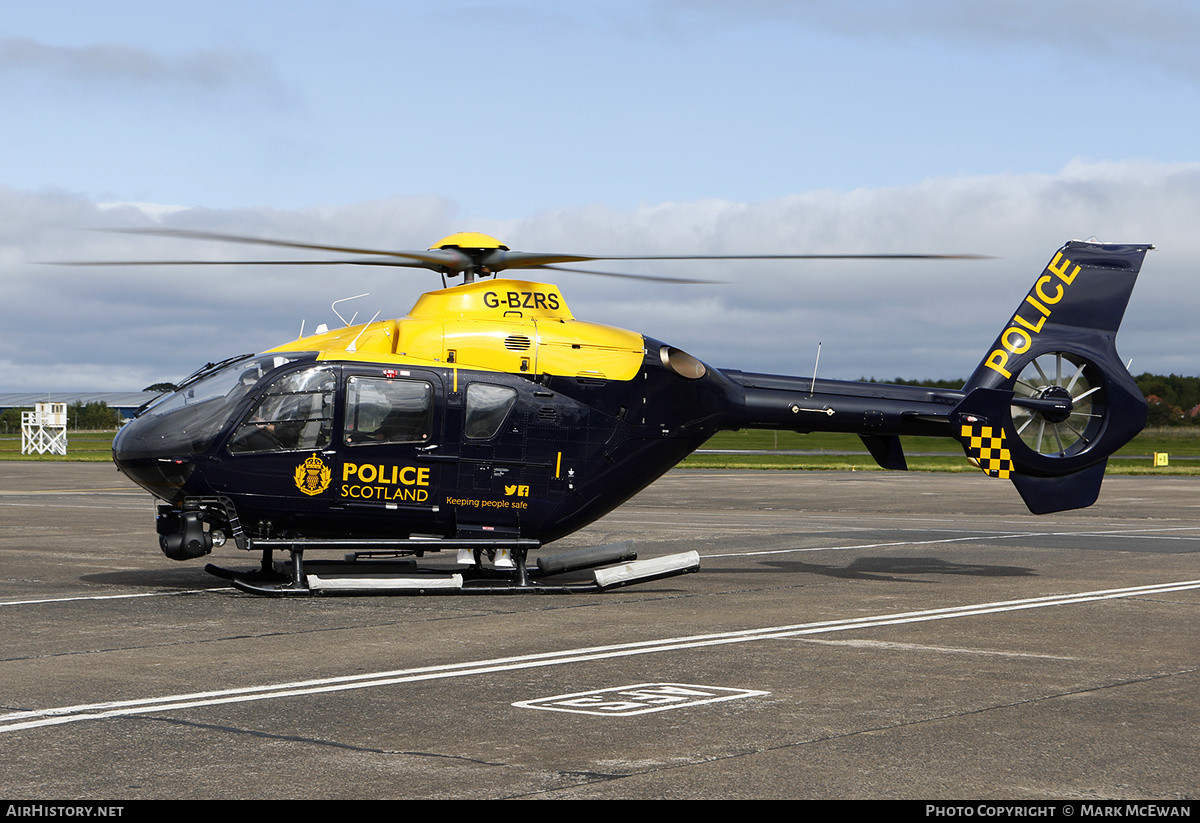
(643, 698)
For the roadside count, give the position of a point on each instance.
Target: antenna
(354, 343)
(333, 306)
(813, 389)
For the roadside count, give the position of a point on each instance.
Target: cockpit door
(390, 446)
(279, 462)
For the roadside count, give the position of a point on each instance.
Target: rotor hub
(479, 255)
(1062, 406)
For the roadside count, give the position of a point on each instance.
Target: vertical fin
(1052, 400)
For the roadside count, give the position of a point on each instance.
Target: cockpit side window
(382, 410)
(487, 407)
(296, 414)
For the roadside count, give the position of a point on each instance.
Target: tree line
(1174, 399)
(80, 415)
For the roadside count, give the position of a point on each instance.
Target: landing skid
(594, 569)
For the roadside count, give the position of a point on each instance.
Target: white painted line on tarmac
(15, 721)
(123, 506)
(79, 597)
(921, 647)
(124, 491)
(1140, 534)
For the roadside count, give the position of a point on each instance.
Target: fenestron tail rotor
(1059, 432)
(467, 254)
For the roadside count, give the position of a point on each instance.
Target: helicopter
(490, 422)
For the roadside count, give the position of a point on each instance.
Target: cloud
(120, 64)
(1160, 34)
(126, 327)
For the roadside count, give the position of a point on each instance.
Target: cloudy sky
(629, 126)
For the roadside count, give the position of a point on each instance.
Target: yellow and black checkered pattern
(985, 446)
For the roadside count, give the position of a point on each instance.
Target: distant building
(124, 402)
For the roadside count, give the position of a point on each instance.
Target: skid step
(383, 584)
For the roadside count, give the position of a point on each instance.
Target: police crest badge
(313, 476)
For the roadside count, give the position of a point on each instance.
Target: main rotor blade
(625, 276)
(436, 257)
(411, 264)
(456, 261)
(525, 259)
(415, 264)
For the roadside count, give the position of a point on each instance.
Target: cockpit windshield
(187, 421)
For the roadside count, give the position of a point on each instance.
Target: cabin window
(388, 411)
(487, 407)
(296, 414)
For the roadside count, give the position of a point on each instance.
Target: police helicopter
(490, 422)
